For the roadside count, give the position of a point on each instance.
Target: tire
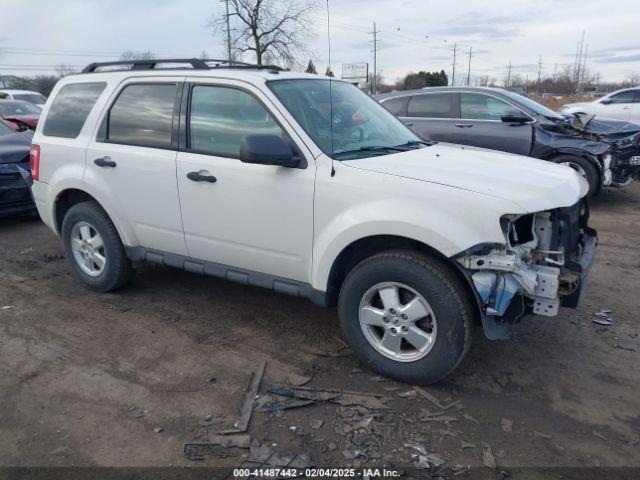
(117, 270)
(585, 168)
(446, 301)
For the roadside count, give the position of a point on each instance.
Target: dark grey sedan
(502, 120)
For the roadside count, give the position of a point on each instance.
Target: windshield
(534, 106)
(359, 125)
(30, 97)
(18, 108)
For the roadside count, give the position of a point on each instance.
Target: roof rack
(195, 63)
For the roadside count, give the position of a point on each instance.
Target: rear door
(248, 216)
(132, 161)
(431, 115)
(480, 125)
(620, 106)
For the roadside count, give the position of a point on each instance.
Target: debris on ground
(542, 435)
(262, 456)
(352, 453)
(212, 381)
(602, 321)
(460, 470)
(298, 380)
(408, 394)
(317, 424)
(246, 406)
(599, 435)
(507, 425)
(624, 347)
(466, 444)
(488, 460)
(218, 445)
(158, 429)
(7, 307)
(341, 397)
(430, 460)
(270, 403)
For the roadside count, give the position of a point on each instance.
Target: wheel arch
(69, 197)
(593, 159)
(365, 247)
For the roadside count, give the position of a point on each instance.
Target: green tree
(329, 73)
(311, 68)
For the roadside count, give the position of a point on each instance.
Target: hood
(576, 105)
(603, 128)
(14, 148)
(535, 185)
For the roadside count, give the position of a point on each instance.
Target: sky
(37, 35)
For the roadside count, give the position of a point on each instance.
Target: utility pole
(453, 73)
(228, 31)
(374, 78)
(469, 68)
(584, 64)
(539, 71)
(509, 75)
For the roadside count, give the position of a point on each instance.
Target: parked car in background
(24, 114)
(13, 126)
(619, 105)
(15, 178)
(240, 172)
(23, 95)
(507, 121)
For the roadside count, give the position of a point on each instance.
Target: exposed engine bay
(541, 266)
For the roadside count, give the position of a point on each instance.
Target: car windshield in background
(19, 108)
(535, 106)
(5, 130)
(30, 97)
(352, 126)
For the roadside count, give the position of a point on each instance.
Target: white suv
(307, 186)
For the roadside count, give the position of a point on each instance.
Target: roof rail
(195, 63)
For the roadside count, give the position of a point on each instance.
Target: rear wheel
(94, 248)
(406, 316)
(585, 168)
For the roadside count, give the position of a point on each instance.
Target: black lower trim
(238, 275)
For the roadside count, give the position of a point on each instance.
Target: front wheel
(406, 316)
(585, 168)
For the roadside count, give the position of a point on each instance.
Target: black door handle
(464, 125)
(105, 162)
(198, 177)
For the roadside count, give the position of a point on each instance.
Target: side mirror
(606, 101)
(515, 116)
(267, 150)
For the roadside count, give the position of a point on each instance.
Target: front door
(480, 125)
(254, 217)
(132, 163)
(618, 106)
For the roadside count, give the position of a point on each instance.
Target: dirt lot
(89, 379)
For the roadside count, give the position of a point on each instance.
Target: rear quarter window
(395, 105)
(70, 109)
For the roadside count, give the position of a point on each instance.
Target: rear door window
(432, 105)
(70, 109)
(142, 115)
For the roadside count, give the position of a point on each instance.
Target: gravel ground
(125, 379)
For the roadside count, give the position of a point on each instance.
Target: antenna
(333, 170)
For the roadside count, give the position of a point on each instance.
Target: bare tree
(63, 70)
(277, 29)
(134, 55)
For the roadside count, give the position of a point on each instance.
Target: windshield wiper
(381, 148)
(411, 143)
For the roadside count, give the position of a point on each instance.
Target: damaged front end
(543, 264)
